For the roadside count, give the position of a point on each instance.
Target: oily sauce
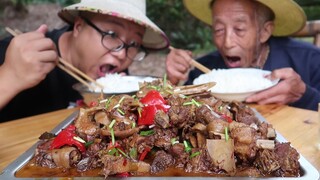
(30, 170)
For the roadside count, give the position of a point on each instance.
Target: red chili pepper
(65, 137)
(153, 97)
(153, 101)
(227, 118)
(124, 174)
(147, 115)
(93, 104)
(144, 153)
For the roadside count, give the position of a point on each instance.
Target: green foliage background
(183, 30)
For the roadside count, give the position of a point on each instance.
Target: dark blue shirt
(303, 57)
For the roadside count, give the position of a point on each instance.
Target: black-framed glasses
(112, 42)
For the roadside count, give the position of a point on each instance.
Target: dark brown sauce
(30, 170)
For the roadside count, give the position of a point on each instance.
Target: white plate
(236, 84)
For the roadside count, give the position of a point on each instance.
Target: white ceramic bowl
(236, 84)
(113, 85)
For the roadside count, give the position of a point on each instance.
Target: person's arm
(29, 58)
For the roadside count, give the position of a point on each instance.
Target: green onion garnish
(79, 139)
(196, 103)
(226, 133)
(88, 143)
(112, 136)
(122, 98)
(112, 151)
(147, 133)
(112, 123)
(133, 153)
(124, 154)
(120, 111)
(187, 147)
(174, 141)
(133, 124)
(195, 154)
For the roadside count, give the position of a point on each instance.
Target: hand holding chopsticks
(67, 67)
(196, 64)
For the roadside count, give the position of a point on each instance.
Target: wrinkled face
(235, 32)
(92, 57)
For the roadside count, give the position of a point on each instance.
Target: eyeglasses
(112, 42)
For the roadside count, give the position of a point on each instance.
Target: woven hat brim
(154, 38)
(289, 16)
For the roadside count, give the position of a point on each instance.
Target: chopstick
(64, 65)
(196, 64)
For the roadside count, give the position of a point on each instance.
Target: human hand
(29, 58)
(178, 65)
(289, 89)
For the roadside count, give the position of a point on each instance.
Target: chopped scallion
(112, 136)
(226, 133)
(195, 154)
(147, 133)
(79, 139)
(112, 123)
(124, 154)
(120, 111)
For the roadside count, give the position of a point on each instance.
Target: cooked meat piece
(161, 162)
(244, 113)
(288, 159)
(66, 157)
(162, 119)
(201, 162)
(162, 137)
(85, 124)
(266, 161)
(118, 164)
(180, 155)
(244, 142)
(222, 154)
(180, 115)
(205, 114)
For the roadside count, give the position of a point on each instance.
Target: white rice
(116, 83)
(237, 80)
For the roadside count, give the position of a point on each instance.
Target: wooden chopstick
(196, 64)
(64, 65)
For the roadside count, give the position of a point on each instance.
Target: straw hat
(132, 10)
(289, 16)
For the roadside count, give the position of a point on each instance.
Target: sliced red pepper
(123, 175)
(65, 137)
(227, 118)
(153, 101)
(147, 115)
(153, 97)
(144, 153)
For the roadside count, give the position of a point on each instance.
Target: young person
(102, 37)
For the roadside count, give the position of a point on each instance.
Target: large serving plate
(309, 172)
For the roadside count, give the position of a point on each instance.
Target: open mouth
(107, 69)
(233, 61)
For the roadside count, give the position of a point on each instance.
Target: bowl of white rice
(236, 84)
(113, 84)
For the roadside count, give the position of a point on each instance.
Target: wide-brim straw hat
(289, 16)
(132, 10)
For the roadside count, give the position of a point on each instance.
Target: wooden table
(298, 126)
